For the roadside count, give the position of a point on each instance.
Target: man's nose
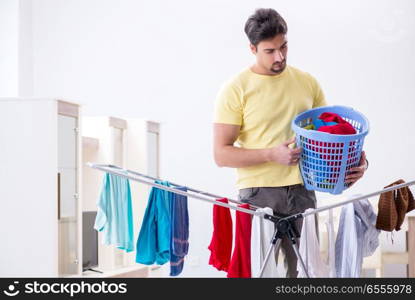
(278, 57)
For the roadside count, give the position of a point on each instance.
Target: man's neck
(261, 71)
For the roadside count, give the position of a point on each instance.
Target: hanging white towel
(331, 244)
(310, 250)
(261, 236)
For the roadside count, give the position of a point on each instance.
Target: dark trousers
(287, 200)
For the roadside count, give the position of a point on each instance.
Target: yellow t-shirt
(264, 107)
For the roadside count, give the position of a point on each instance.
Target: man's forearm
(236, 157)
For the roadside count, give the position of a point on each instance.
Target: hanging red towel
(221, 243)
(240, 266)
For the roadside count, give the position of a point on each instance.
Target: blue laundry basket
(326, 157)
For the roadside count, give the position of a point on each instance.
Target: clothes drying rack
(284, 225)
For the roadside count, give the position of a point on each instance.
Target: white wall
(165, 60)
(16, 53)
(9, 12)
(26, 59)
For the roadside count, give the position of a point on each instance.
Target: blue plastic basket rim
(316, 133)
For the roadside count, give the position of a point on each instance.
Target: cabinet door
(67, 142)
(68, 196)
(153, 154)
(118, 146)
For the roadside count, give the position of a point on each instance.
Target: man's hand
(227, 155)
(284, 155)
(356, 173)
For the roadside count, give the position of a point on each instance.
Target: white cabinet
(40, 161)
(129, 143)
(68, 195)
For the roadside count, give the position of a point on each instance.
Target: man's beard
(278, 67)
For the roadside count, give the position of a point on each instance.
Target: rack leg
(300, 259)
(274, 244)
(285, 227)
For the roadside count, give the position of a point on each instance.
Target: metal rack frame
(284, 224)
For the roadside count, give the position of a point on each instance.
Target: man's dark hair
(264, 24)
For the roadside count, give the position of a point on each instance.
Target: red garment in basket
(334, 157)
(342, 127)
(221, 243)
(240, 266)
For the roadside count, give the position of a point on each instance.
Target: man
(255, 109)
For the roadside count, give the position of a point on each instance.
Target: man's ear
(253, 48)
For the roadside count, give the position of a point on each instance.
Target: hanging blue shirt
(115, 216)
(179, 231)
(153, 243)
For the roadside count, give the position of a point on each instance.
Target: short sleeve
(319, 98)
(228, 106)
